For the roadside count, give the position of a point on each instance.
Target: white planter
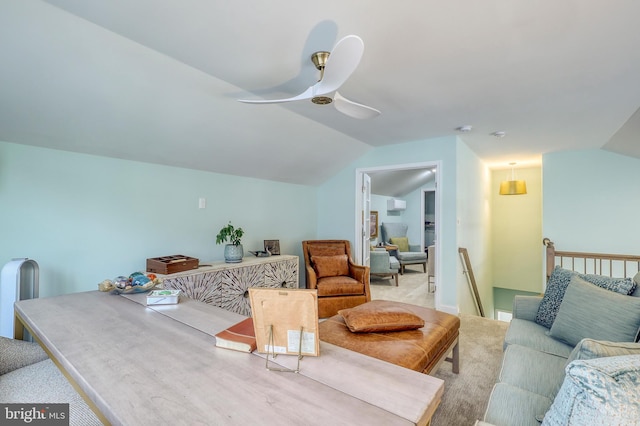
(233, 253)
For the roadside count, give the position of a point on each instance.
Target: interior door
(365, 240)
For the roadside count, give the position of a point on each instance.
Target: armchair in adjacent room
(408, 254)
(329, 268)
(383, 264)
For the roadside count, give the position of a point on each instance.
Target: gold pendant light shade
(513, 187)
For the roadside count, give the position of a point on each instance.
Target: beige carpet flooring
(466, 394)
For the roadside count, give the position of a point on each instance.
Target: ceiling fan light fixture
(346, 55)
(321, 100)
(319, 59)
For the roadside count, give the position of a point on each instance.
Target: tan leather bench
(420, 350)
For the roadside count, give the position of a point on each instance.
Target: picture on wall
(273, 246)
(373, 224)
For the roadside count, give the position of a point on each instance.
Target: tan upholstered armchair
(330, 270)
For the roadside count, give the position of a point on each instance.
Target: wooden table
(139, 365)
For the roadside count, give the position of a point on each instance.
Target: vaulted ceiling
(158, 80)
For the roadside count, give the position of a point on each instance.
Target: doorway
(400, 181)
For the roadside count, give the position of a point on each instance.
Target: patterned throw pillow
(557, 285)
(601, 391)
(550, 304)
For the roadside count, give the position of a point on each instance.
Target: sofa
(28, 376)
(571, 356)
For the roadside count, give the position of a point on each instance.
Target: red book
(239, 337)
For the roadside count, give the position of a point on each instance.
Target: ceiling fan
(335, 68)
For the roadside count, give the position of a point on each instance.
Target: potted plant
(233, 251)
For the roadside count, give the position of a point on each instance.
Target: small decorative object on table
(260, 253)
(171, 264)
(163, 297)
(137, 282)
(233, 252)
(272, 246)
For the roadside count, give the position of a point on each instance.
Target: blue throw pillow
(557, 285)
(588, 311)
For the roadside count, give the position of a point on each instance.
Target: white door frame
(438, 213)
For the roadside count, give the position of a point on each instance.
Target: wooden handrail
(597, 258)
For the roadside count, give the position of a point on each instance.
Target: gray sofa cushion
(590, 311)
(532, 370)
(534, 336)
(509, 405)
(557, 285)
(409, 256)
(602, 391)
(43, 382)
(15, 354)
(590, 349)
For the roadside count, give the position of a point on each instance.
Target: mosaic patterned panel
(233, 293)
(229, 289)
(199, 286)
(281, 274)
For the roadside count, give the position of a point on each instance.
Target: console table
(226, 285)
(158, 365)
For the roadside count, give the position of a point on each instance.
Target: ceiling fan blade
(353, 109)
(307, 94)
(343, 61)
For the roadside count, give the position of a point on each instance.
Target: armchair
(408, 254)
(383, 264)
(329, 269)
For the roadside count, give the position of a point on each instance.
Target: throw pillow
(330, 266)
(590, 311)
(557, 285)
(602, 391)
(590, 349)
(380, 315)
(401, 242)
(636, 279)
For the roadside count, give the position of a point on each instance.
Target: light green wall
(336, 199)
(517, 232)
(474, 232)
(85, 218)
(591, 201)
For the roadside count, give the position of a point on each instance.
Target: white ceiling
(157, 80)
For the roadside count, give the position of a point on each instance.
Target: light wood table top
(139, 365)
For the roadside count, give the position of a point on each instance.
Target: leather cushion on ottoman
(418, 350)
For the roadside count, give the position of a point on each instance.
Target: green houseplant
(233, 251)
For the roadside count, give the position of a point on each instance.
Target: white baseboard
(453, 310)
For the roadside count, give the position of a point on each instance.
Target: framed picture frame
(373, 224)
(273, 246)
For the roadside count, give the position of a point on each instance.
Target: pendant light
(513, 186)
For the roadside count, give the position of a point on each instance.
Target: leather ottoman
(420, 350)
